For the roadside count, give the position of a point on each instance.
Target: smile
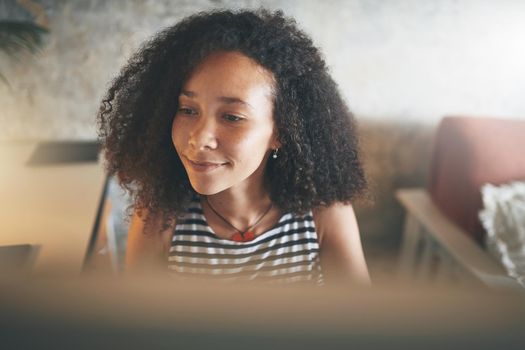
(204, 166)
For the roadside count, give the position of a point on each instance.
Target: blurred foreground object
(50, 200)
(443, 234)
(159, 313)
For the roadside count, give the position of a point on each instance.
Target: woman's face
(223, 130)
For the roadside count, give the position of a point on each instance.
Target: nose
(203, 135)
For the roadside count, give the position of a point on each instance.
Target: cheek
(252, 143)
(177, 134)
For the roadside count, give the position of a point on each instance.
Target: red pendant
(248, 236)
(237, 237)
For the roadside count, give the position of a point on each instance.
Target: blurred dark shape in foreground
(157, 313)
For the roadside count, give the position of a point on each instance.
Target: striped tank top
(286, 253)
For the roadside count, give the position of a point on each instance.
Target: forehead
(230, 72)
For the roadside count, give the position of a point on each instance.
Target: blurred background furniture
(18, 258)
(443, 238)
(107, 249)
(50, 203)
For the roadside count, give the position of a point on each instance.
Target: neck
(241, 208)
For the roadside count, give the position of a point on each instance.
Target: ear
(275, 143)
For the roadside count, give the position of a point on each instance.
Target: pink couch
(442, 229)
(469, 152)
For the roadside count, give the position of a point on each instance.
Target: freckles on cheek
(177, 134)
(243, 143)
(254, 143)
(173, 133)
(175, 142)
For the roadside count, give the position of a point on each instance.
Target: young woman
(239, 152)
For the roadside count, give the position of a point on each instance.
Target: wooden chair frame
(434, 249)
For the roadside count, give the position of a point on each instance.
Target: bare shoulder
(331, 218)
(148, 241)
(340, 245)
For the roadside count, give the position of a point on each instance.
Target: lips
(204, 165)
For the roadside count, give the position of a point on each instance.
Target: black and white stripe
(287, 253)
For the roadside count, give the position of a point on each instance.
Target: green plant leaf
(20, 36)
(5, 81)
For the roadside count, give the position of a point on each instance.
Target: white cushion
(503, 217)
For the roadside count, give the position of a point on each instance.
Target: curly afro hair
(318, 161)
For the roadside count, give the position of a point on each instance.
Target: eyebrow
(225, 99)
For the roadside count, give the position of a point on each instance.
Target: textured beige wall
(401, 65)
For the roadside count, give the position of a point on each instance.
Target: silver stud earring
(274, 155)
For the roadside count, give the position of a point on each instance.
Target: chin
(207, 189)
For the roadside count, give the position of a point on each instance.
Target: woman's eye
(232, 118)
(188, 111)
